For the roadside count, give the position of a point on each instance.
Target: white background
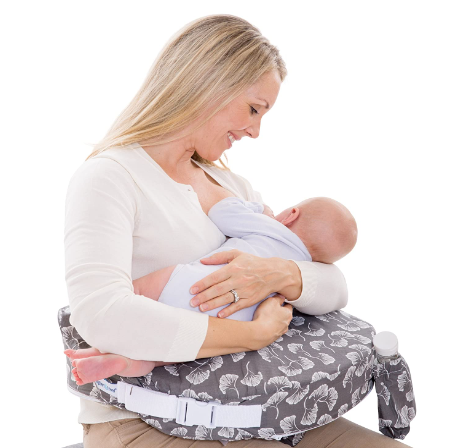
(368, 115)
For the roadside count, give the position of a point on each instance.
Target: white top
(124, 218)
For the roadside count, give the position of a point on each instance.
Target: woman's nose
(253, 131)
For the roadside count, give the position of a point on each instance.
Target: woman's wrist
(291, 284)
(225, 336)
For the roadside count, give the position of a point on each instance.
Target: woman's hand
(272, 320)
(252, 277)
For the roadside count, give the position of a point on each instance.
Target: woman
(140, 202)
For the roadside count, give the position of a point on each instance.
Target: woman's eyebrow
(263, 101)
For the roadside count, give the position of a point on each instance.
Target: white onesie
(249, 231)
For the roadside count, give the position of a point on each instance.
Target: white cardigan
(124, 218)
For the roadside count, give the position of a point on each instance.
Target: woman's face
(239, 118)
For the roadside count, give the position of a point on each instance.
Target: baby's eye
(253, 110)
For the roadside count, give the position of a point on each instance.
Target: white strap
(186, 411)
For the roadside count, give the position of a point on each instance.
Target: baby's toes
(70, 353)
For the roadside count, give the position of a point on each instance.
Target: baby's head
(326, 227)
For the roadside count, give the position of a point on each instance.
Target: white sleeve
(324, 286)
(100, 213)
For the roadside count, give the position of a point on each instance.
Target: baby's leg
(152, 285)
(96, 367)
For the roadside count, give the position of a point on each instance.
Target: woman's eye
(253, 110)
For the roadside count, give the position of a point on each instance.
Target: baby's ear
(292, 216)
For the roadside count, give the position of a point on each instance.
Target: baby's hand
(267, 211)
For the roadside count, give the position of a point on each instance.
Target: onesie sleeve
(324, 286)
(102, 206)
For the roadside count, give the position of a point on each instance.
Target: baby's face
(268, 212)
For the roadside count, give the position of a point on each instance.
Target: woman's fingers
(222, 257)
(217, 276)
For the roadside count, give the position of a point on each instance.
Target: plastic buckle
(192, 412)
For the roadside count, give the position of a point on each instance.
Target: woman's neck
(174, 158)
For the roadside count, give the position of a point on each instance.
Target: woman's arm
(102, 207)
(323, 288)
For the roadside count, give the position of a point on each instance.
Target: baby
(317, 229)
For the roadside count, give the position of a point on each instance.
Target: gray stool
(78, 445)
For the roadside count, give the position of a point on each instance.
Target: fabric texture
(315, 373)
(124, 218)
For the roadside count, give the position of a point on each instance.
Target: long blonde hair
(206, 64)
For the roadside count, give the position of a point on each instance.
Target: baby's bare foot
(88, 370)
(82, 353)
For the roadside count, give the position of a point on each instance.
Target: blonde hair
(204, 66)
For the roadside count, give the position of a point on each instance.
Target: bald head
(326, 227)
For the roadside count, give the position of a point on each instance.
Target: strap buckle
(192, 412)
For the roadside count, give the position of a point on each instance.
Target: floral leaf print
(385, 394)
(348, 377)
(215, 363)
(288, 424)
(204, 396)
(320, 393)
(228, 382)
(243, 435)
(266, 433)
(290, 370)
(172, 369)
(358, 361)
(331, 398)
(295, 348)
(310, 415)
(402, 380)
(189, 393)
(237, 356)
(250, 378)
(202, 433)
(410, 395)
(305, 363)
(70, 337)
(276, 346)
(356, 397)
(342, 410)
(179, 432)
(317, 376)
(405, 415)
(299, 394)
(292, 332)
(297, 320)
(226, 432)
(326, 359)
(322, 318)
(350, 326)
(314, 330)
(153, 422)
(251, 397)
(280, 382)
(361, 339)
(319, 345)
(384, 423)
(198, 376)
(273, 401)
(361, 348)
(324, 419)
(265, 354)
(394, 362)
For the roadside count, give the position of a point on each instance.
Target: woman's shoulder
(99, 176)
